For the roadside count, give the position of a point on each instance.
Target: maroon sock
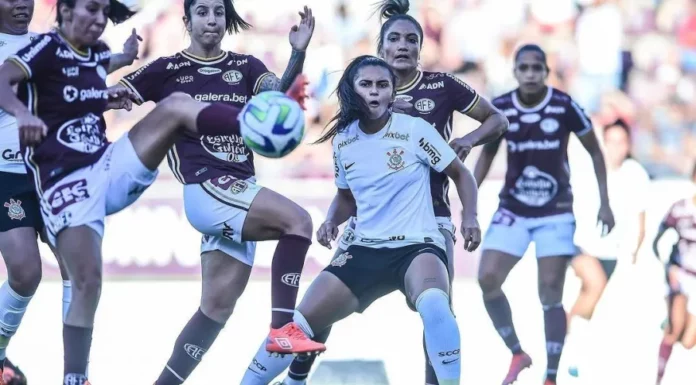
(288, 261)
(218, 119)
(665, 352)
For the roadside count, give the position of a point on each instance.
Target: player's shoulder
(346, 137)
(242, 62)
(504, 100)
(559, 97)
(442, 80)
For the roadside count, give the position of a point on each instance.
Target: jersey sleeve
(339, 172)
(670, 220)
(462, 96)
(257, 73)
(37, 58)
(576, 120)
(430, 147)
(146, 81)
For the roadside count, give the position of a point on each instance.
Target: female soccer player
(382, 162)
(221, 197)
(628, 183)
(536, 202)
(434, 97)
(79, 176)
(22, 222)
(681, 276)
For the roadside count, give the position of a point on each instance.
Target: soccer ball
(272, 124)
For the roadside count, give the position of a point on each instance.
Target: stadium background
(634, 59)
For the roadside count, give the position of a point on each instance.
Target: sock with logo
(286, 268)
(193, 342)
(302, 365)
(12, 309)
(442, 339)
(556, 326)
(218, 119)
(77, 342)
(499, 311)
(265, 367)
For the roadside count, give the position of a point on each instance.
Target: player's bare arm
(31, 129)
(485, 160)
(493, 125)
(300, 36)
(468, 194)
(129, 55)
(342, 208)
(591, 144)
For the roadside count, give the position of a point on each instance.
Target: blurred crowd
(630, 59)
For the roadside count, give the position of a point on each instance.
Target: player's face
(207, 24)
(87, 20)
(374, 85)
(617, 145)
(530, 72)
(401, 46)
(15, 16)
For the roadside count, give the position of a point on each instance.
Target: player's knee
(550, 294)
(220, 306)
(593, 287)
(175, 104)
(24, 274)
(433, 306)
(87, 282)
(490, 281)
(688, 343)
(300, 224)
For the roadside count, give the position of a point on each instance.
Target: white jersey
(389, 175)
(10, 155)
(628, 188)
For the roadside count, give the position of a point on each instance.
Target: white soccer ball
(272, 124)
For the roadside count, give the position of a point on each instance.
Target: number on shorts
(502, 218)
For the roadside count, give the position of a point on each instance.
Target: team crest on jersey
(396, 161)
(15, 210)
(238, 186)
(549, 125)
(232, 77)
(341, 260)
(425, 105)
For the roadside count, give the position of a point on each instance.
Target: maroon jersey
(682, 218)
(435, 97)
(537, 181)
(66, 88)
(231, 79)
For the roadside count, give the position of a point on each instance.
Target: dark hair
(350, 105)
(532, 48)
(233, 21)
(393, 11)
(118, 12)
(623, 126)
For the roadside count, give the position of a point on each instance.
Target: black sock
(193, 342)
(430, 376)
(555, 324)
(286, 267)
(499, 310)
(77, 342)
(218, 119)
(301, 365)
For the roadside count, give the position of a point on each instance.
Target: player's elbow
(501, 124)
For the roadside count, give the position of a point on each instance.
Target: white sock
(579, 333)
(442, 338)
(301, 321)
(264, 367)
(67, 297)
(12, 309)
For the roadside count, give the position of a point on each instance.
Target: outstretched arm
(493, 125)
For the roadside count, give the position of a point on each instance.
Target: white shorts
(217, 209)
(87, 195)
(687, 285)
(345, 240)
(552, 235)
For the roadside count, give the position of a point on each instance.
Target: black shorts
(20, 203)
(608, 265)
(371, 273)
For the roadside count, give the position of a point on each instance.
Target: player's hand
(401, 106)
(32, 130)
(120, 98)
(462, 147)
(471, 233)
(131, 46)
(327, 233)
(301, 34)
(605, 218)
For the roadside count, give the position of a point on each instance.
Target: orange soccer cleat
(520, 362)
(290, 339)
